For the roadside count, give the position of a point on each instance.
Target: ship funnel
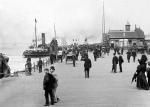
(43, 38)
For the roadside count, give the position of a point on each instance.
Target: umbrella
(134, 77)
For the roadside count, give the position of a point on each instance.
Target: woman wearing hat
(148, 73)
(141, 77)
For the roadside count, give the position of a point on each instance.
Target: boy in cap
(48, 85)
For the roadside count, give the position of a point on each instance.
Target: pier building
(127, 37)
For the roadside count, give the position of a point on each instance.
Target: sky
(74, 19)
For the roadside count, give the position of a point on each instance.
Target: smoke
(73, 19)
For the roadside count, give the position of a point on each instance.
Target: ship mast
(103, 23)
(35, 34)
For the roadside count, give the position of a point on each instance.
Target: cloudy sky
(73, 18)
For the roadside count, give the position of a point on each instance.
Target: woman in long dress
(141, 77)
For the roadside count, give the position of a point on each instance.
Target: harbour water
(16, 59)
(17, 63)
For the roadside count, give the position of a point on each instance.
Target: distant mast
(55, 31)
(103, 23)
(35, 34)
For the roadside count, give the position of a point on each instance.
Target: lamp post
(123, 38)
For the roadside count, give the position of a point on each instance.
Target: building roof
(147, 37)
(120, 34)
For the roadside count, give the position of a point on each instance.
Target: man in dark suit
(115, 50)
(49, 85)
(87, 66)
(122, 51)
(114, 63)
(134, 55)
(95, 53)
(74, 60)
(40, 63)
(128, 55)
(120, 62)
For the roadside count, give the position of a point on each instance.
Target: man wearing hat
(120, 62)
(40, 63)
(128, 55)
(134, 55)
(114, 63)
(87, 66)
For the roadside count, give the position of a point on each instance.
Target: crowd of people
(141, 76)
(142, 73)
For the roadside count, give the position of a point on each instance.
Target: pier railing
(15, 74)
(34, 68)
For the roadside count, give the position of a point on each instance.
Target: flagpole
(103, 18)
(102, 26)
(103, 22)
(35, 33)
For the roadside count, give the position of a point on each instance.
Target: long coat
(49, 82)
(141, 78)
(128, 55)
(134, 54)
(121, 60)
(115, 60)
(40, 63)
(87, 63)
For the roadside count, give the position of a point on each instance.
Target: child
(48, 85)
(52, 70)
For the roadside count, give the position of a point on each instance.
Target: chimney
(135, 26)
(43, 38)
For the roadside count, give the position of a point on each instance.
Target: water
(16, 60)
(17, 63)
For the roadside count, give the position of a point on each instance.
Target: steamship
(37, 51)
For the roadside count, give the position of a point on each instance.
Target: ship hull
(35, 54)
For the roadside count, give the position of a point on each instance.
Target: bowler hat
(52, 68)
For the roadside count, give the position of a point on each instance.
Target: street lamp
(123, 38)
